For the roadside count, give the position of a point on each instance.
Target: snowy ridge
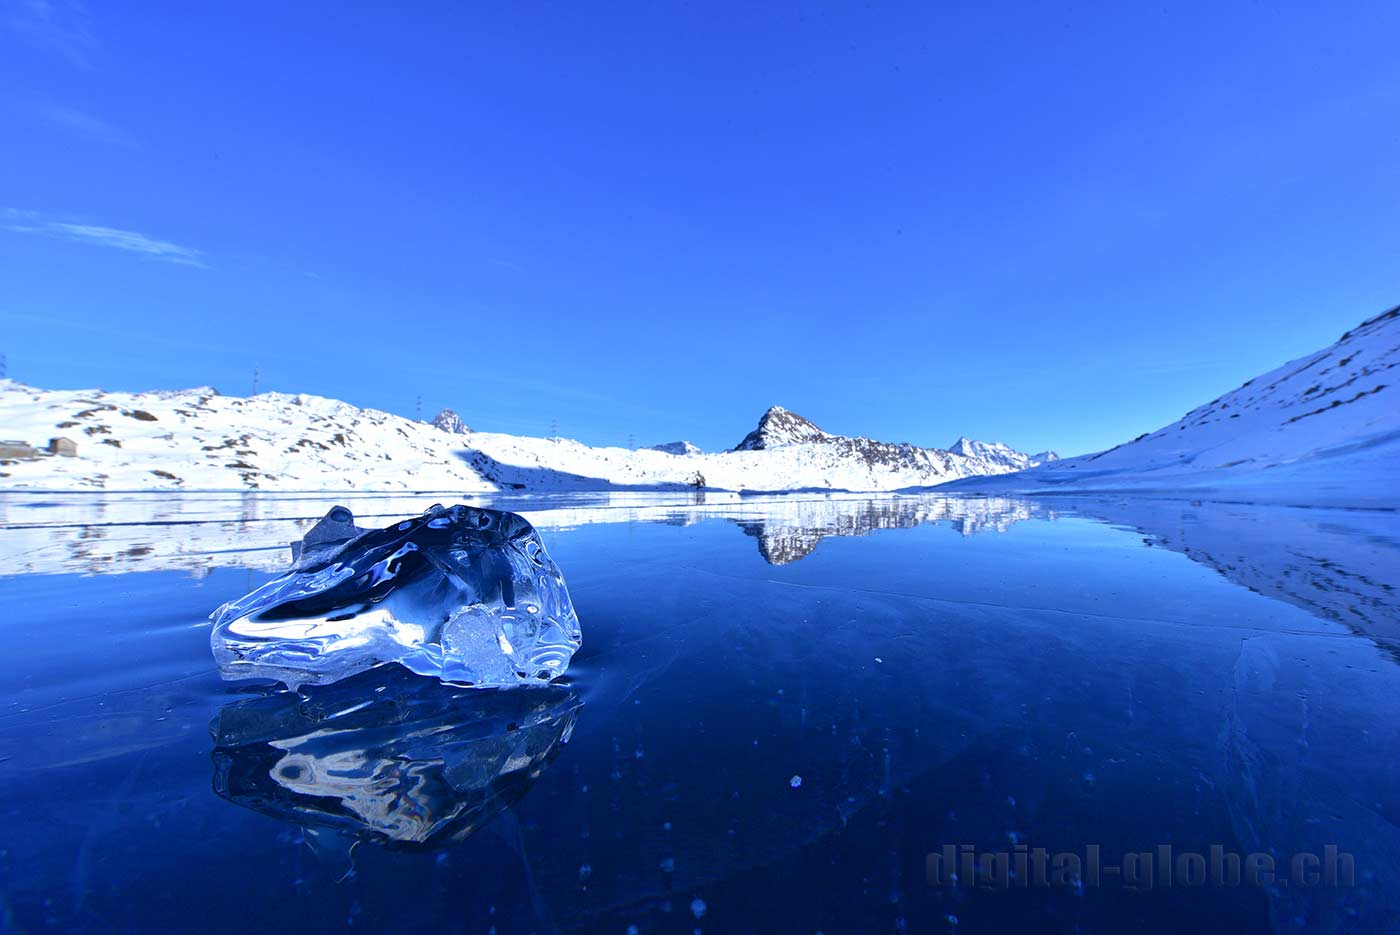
(199, 440)
(1321, 429)
(677, 448)
(782, 432)
(996, 451)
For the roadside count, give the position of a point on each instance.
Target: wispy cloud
(86, 124)
(65, 26)
(29, 222)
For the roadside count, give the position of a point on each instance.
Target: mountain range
(1323, 429)
(199, 439)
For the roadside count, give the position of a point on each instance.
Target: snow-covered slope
(1321, 429)
(199, 440)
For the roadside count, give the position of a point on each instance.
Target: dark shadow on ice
(544, 480)
(389, 757)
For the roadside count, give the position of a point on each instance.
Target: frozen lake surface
(782, 707)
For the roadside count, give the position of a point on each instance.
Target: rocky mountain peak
(971, 448)
(449, 421)
(684, 448)
(999, 452)
(779, 426)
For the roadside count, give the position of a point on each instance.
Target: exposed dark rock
(449, 421)
(677, 448)
(778, 426)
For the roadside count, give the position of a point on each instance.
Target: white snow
(1323, 429)
(199, 440)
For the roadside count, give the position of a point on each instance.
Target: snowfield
(1323, 429)
(198, 439)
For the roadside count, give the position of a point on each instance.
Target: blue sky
(1056, 226)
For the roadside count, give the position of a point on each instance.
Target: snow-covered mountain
(996, 451)
(199, 440)
(1321, 429)
(778, 427)
(677, 448)
(449, 421)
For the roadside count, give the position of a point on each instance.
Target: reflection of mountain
(1341, 565)
(196, 533)
(789, 530)
(1338, 564)
(389, 756)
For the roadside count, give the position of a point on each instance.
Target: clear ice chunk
(465, 594)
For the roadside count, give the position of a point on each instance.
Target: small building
(13, 448)
(63, 447)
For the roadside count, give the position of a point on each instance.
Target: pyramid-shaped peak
(972, 448)
(780, 426)
(449, 421)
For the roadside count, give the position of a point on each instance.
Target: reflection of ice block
(461, 593)
(388, 756)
